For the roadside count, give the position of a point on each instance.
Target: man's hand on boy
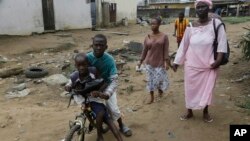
(99, 94)
(95, 94)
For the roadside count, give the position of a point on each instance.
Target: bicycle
(78, 127)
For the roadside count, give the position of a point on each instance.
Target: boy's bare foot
(186, 116)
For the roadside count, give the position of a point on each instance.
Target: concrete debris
(7, 72)
(3, 59)
(15, 94)
(56, 79)
(39, 81)
(19, 87)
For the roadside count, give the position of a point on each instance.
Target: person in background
(156, 59)
(179, 27)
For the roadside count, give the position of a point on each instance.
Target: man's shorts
(100, 107)
(112, 105)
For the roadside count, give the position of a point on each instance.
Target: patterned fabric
(157, 78)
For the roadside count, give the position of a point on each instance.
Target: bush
(245, 44)
(235, 20)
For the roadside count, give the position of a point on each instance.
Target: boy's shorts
(100, 107)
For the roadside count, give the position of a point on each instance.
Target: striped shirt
(181, 26)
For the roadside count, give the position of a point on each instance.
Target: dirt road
(42, 115)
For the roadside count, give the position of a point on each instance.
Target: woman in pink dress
(156, 59)
(200, 68)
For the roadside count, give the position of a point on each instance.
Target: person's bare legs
(99, 121)
(206, 115)
(160, 93)
(114, 130)
(151, 97)
(188, 115)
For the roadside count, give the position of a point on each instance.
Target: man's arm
(110, 88)
(175, 28)
(112, 85)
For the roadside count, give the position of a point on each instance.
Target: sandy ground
(43, 115)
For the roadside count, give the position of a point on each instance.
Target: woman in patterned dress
(156, 59)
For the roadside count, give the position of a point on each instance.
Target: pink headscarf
(208, 2)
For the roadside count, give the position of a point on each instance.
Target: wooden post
(238, 10)
(227, 10)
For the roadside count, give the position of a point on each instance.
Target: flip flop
(126, 131)
(185, 117)
(208, 119)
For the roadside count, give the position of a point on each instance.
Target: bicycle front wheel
(75, 134)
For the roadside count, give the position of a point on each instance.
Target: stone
(19, 87)
(3, 59)
(7, 72)
(56, 79)
(15, 94)
(129, 110)
(136, 47)
(3, 126)
(38, 81)
(170, 134)
(65, 94)
(19, 81)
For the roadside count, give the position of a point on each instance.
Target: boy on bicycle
(106, 66)
(83, 76)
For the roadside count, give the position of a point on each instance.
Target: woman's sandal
(208, 118)
(185, 117)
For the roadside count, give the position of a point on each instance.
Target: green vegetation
(246, 106)
(245, 44)
(236, 20)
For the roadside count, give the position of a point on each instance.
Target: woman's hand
(167, 64)
(139, 65)
(175, 67)
(217, 62)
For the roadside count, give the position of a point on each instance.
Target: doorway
(48, 15)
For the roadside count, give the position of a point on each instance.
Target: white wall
(72, 14)
(21, 17)
(125, 8)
